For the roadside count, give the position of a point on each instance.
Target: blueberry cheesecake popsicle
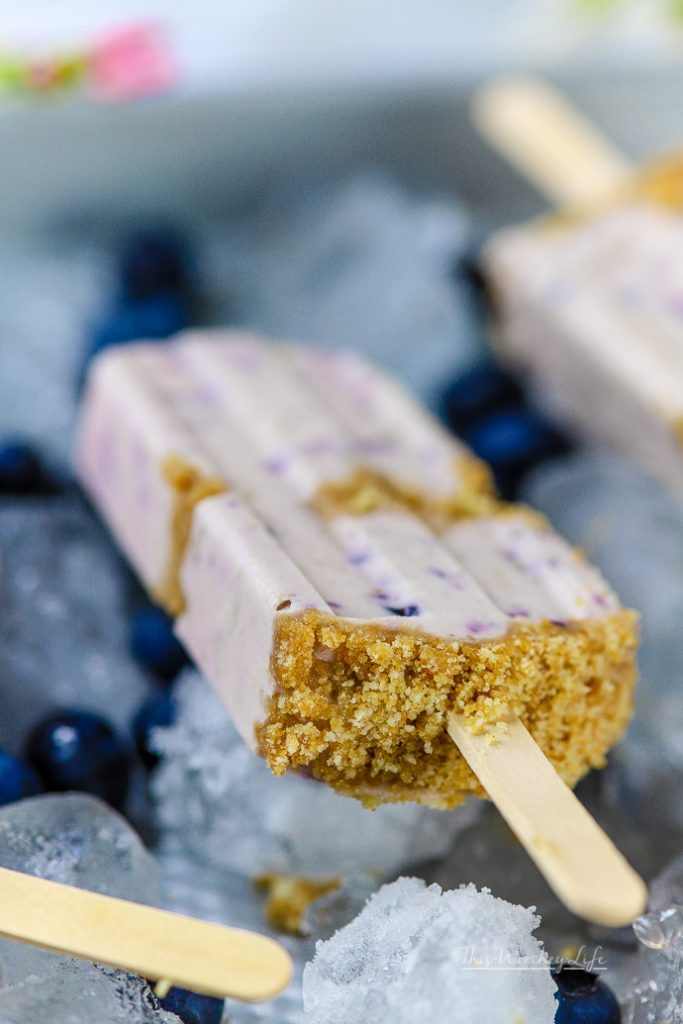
(588, 298)
(342, 572)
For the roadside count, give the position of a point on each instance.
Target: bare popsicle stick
(580, 863)
(203, 957)
(549, 141)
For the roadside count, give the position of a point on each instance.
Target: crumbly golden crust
(189, 487)
(363, 708)
(367, 491)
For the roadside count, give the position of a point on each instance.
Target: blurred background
(268, 91)
(309, 153)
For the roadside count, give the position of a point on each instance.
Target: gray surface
(196, 157)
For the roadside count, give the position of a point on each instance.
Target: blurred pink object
(132, 61)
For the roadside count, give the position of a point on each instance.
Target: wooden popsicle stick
(157, 944)
(580, 863)
(549, 141)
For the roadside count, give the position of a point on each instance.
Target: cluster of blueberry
(487, 408)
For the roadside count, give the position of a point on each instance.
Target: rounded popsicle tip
(273, 972)
(616, 907)
(220, 962)
(606, 891)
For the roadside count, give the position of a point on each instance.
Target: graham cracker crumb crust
(189, 487)
(367, 491)
(363, 708)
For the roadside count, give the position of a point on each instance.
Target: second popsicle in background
(589, 302)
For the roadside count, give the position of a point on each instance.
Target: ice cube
(63, 620)
(360, 264)
(73, 992)
(417, 953)
(650, 984)
(77, 840)
(222, 803)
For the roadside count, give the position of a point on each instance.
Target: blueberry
(154, 261)
(483, 390)
(407, 610)
(17, 779)
(155, 713)
(193, 1008)
(583, 998)
(76, 750)
(153, 643)
(513, 442)
(161, 315)
(20, 469)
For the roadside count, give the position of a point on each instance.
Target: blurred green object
(600, 7)
(672, 9)
(11, 73)
(24, 74)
